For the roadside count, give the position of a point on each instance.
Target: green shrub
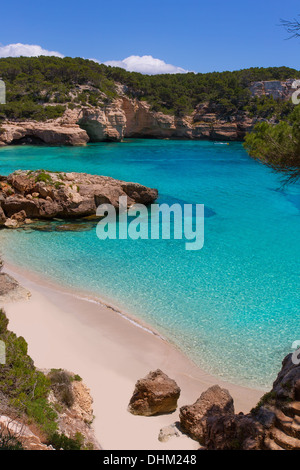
(26, 388)
(43, 177)
(77, 378)
(9, 442)
(61, 384)
(61, 441)
(278, 146)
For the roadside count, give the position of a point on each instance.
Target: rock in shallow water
(50, 195)
(74, 227)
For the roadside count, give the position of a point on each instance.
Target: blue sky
(196, 35)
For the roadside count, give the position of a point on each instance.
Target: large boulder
(215, 401)
(155, 394)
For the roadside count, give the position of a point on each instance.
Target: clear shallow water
(233, 307)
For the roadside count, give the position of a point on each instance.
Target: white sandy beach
(110, 353)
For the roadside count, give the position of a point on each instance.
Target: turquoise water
(233, 307)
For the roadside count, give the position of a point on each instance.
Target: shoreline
(103, 345)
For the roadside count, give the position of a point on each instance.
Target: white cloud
(26, 50)
(145, 64)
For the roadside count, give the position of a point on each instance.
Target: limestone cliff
(124, 117)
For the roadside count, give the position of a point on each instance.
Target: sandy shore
(110, 353)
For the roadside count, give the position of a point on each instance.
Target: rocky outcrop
(283, 405)
(214, 402)
(47, 133)
(155, 394)
(26, 195)
(73, 421)
(2, 217)
(287, 385)
(15, 432)
(277, 89)
(233, 432)
(203, 123)
(73, 399)
(212, 422)
(105, 123)
(273, 425)
(10, 289)
(124, 117)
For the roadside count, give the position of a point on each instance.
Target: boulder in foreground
(155, 394)
(215, 401)
(41, 194)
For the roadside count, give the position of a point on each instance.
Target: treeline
(41, 87)
(181, 93)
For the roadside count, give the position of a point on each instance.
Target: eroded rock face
(273, 425)
(277, 89)
(103, 124)
(77, 416)
(287, 384)
(33, 195)
(48, 133)
(10, 289)
(216, 402)
(2, 216)
(155, 394)
(23, 434)
(232, 432)
(203, 123)
(125, 118)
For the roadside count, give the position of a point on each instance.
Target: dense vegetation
(24, 392)
(278, 146)
(41, 87)
(228, 92)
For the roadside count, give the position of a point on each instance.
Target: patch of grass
(43, 177)
(59, 184)
(77, 378)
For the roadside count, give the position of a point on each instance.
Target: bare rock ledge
(41, 194)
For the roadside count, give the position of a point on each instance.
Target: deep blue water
(233, 307)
